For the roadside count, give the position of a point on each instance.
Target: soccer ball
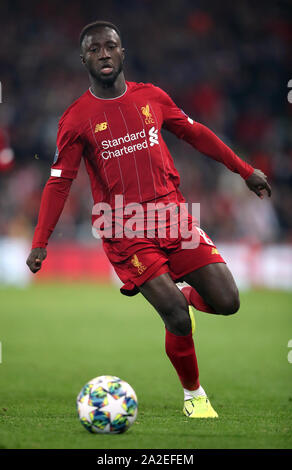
(106, 405)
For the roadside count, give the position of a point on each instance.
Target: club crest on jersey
(137, 264)
(148, 116)
(102, 126)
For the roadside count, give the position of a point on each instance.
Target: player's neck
(118, 88)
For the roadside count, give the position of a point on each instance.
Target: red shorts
(138, 260)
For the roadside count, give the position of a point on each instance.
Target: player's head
(101, 51)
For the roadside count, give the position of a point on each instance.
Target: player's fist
(257, 182)
(35, 259)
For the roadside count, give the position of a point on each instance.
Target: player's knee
(177, 319)
(181, 324)
(230, 304)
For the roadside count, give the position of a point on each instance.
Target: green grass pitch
(56, 337)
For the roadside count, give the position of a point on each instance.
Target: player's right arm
(53, 200)
(56, 191)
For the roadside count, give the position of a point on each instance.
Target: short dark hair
(98, 24)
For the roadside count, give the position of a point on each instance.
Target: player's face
(103, 55)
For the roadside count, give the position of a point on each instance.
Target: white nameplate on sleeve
(55, 172)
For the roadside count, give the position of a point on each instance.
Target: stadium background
(226, 64)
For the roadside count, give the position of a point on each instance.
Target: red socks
(193, 298)
(181, 352)
(181, 349)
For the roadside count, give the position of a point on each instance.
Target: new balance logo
(153, 136)
(100, 127)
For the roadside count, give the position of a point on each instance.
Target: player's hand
(257, 182)
(35, 259)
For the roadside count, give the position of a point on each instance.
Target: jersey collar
(109, 99)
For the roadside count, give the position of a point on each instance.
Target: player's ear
(123, 53)
(82, 59)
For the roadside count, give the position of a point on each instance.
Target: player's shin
(181, 352)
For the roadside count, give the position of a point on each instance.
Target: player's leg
(171, 305)
(213, 288)
(142, 265)
(214, 285)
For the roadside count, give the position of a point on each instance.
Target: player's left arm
(206, 142)
(257, 182)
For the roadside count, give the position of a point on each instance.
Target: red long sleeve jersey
(121, 143)
(123, 149)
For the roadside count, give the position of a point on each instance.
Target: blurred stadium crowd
(225, 64)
